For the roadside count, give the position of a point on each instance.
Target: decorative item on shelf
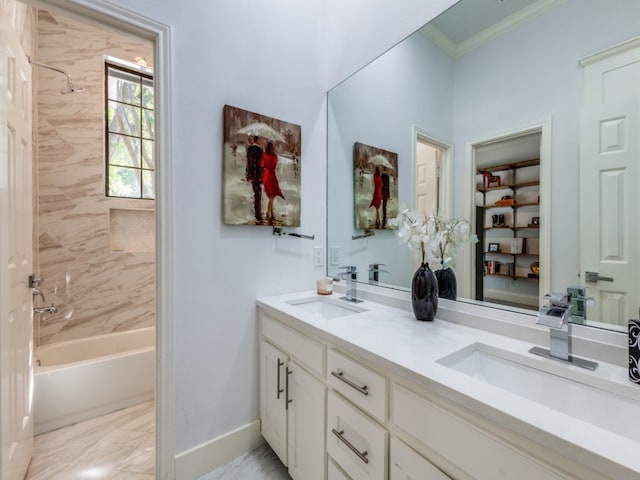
(517, 245)
(535, 222)
(505, 201)
(497, 220)
(490, 179)
(494, 248)
(634, 351)
(535, 270)
(434, 241)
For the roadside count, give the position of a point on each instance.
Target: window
(130, 133)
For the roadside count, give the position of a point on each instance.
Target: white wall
(373, 107)
(532, 73)
(369, 28)
(269, 57)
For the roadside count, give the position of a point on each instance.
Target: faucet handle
(349, 269)
(558, 299)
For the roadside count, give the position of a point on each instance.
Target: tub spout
(51, 310)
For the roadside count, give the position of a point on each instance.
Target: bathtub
(80, 379)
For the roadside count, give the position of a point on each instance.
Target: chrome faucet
(351, 289)
(375, 271)
(556, 315)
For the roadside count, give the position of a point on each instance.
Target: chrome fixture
(279, 232)
(367, 233)
(36, 292)
(70, 88)
(556, 315)
(351, 290)
(51, 310)
(374, 272)
(579, 303)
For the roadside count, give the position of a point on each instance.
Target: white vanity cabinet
(292, 402)
(331, 411)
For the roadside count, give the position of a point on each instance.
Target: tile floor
(121, 446)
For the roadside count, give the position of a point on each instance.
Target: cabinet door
(273, 416)
(408, 465)
(306, 415)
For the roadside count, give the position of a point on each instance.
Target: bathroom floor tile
(259, 464)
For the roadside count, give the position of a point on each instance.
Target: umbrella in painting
(380, 160)
(261, 129)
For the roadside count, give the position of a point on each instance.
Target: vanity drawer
(334, 472)
(365, 388)
(473, 450)
(354, 441)
(405, 464)
(306, 351)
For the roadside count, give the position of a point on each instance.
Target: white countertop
(411, 349)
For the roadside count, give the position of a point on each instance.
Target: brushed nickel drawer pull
(279, 390)
(339, 374)
(287, 400)
(362, 456)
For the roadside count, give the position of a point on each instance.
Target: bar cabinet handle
(361, 455)
(339, 374)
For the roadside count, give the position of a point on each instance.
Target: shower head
(70, 88)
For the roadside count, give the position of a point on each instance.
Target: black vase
(447, 285)
(424, 293)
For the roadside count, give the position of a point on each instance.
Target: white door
(306, 426)
(609, 209)
(427, 178)
(16, 314)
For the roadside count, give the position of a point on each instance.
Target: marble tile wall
(95, 289)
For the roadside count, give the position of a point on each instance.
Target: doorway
(159, 35)
(431, 172)
(508, 176)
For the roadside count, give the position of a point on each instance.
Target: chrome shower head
(70, 88)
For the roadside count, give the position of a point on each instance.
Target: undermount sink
(325, 308)
(594, 400)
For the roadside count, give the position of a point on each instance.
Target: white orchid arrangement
(433, 240)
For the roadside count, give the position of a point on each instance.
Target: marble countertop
(412, 349)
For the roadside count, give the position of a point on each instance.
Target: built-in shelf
(519, 187)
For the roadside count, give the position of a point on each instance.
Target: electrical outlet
(317, 257)
(335, 256)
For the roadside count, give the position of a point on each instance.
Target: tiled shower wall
(97, 288)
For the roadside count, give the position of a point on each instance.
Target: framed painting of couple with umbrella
(375, 187)
(261, 169)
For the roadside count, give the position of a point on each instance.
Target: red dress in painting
(269, 180)
(376, 200)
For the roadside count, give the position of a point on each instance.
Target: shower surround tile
(97, 291)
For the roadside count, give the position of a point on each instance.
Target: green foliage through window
(130, 133)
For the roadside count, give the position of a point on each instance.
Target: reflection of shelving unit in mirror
(509, 198)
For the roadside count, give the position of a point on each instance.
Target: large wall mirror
(486, 84)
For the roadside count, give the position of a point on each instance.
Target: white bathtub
(81, 379)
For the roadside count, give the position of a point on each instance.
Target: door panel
(16, 252)
(609, 174)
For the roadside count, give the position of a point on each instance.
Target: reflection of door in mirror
(609, 176)
(507, 191)
(429, 157)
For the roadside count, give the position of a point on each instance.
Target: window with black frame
(130, 133)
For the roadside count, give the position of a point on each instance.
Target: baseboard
(207, 456)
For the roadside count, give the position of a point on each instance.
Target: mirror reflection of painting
(261, 157)
(375, 188)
